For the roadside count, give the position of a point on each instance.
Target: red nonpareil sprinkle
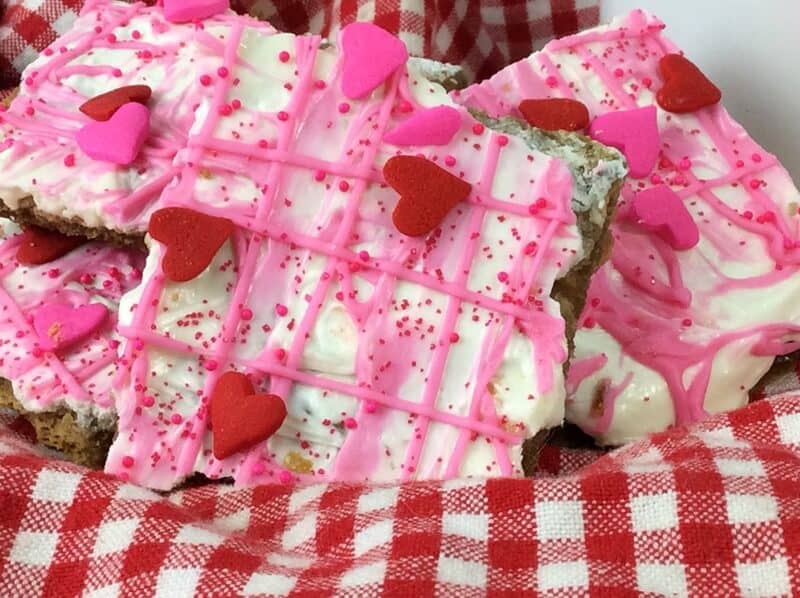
(37, 352)
(211, 365)
(768, 216)
(363, 256)
(618, 73)
(284, 56)
(236, 104)
(135, 34)
(344, 186)
(319, 175)
(280, 354)
(225, 110)
(176, 418)
(116, 72)
(756, 158)
(69, 160)
(478, 128)
(755, 184)
(205, 80)
(284, 476)
(263, 143)
(53, 272)
(530, 248)
(319, 84)
(350, 423)
(148, 401)
(223, 72)
(258, 468)
(281, 309)
(283, 116)
(30, 111)
(344, 108)
(687, 322)
(127, 461)
(370, 407)
(111, 38)
(449, 160)
(502, 276)
(502, 140)
(454, 338)
(246, 313)
(551, 81)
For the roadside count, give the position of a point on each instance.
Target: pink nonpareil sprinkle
(281, 309)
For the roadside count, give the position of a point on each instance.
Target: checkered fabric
(708, 511)
(481, 36)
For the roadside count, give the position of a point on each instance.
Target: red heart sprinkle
(192, 240)
(104, 106)
(685, 88)
(39, 246)
(240, 418)
(427, 193)
(555, 114)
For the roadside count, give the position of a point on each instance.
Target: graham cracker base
(60, 430)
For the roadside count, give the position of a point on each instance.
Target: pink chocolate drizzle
(313, 170)
(652, 299)
(80, 375)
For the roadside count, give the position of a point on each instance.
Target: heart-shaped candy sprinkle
(427, 193)
(40, 246)
(661, 210)
(120, 138)
(634, 133)
(192, 240)
(555, 114)
(60, 326)
(685, 88)
(432, 126)
(371, 55)
(241, 419)
(103, 106)
(183, 11)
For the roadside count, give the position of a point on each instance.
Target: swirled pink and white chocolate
(700, 293)
(45, 152)
(58, 340)
(428, 353)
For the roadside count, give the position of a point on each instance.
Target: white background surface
(751, 50)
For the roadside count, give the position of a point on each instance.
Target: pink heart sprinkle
(120, 138)
(661, 210)
(434, 126)
(371, 55)
(59, 326)
(183, 11)
(634, 133)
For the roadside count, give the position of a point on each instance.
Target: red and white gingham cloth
(712, 510)
(709, 511)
